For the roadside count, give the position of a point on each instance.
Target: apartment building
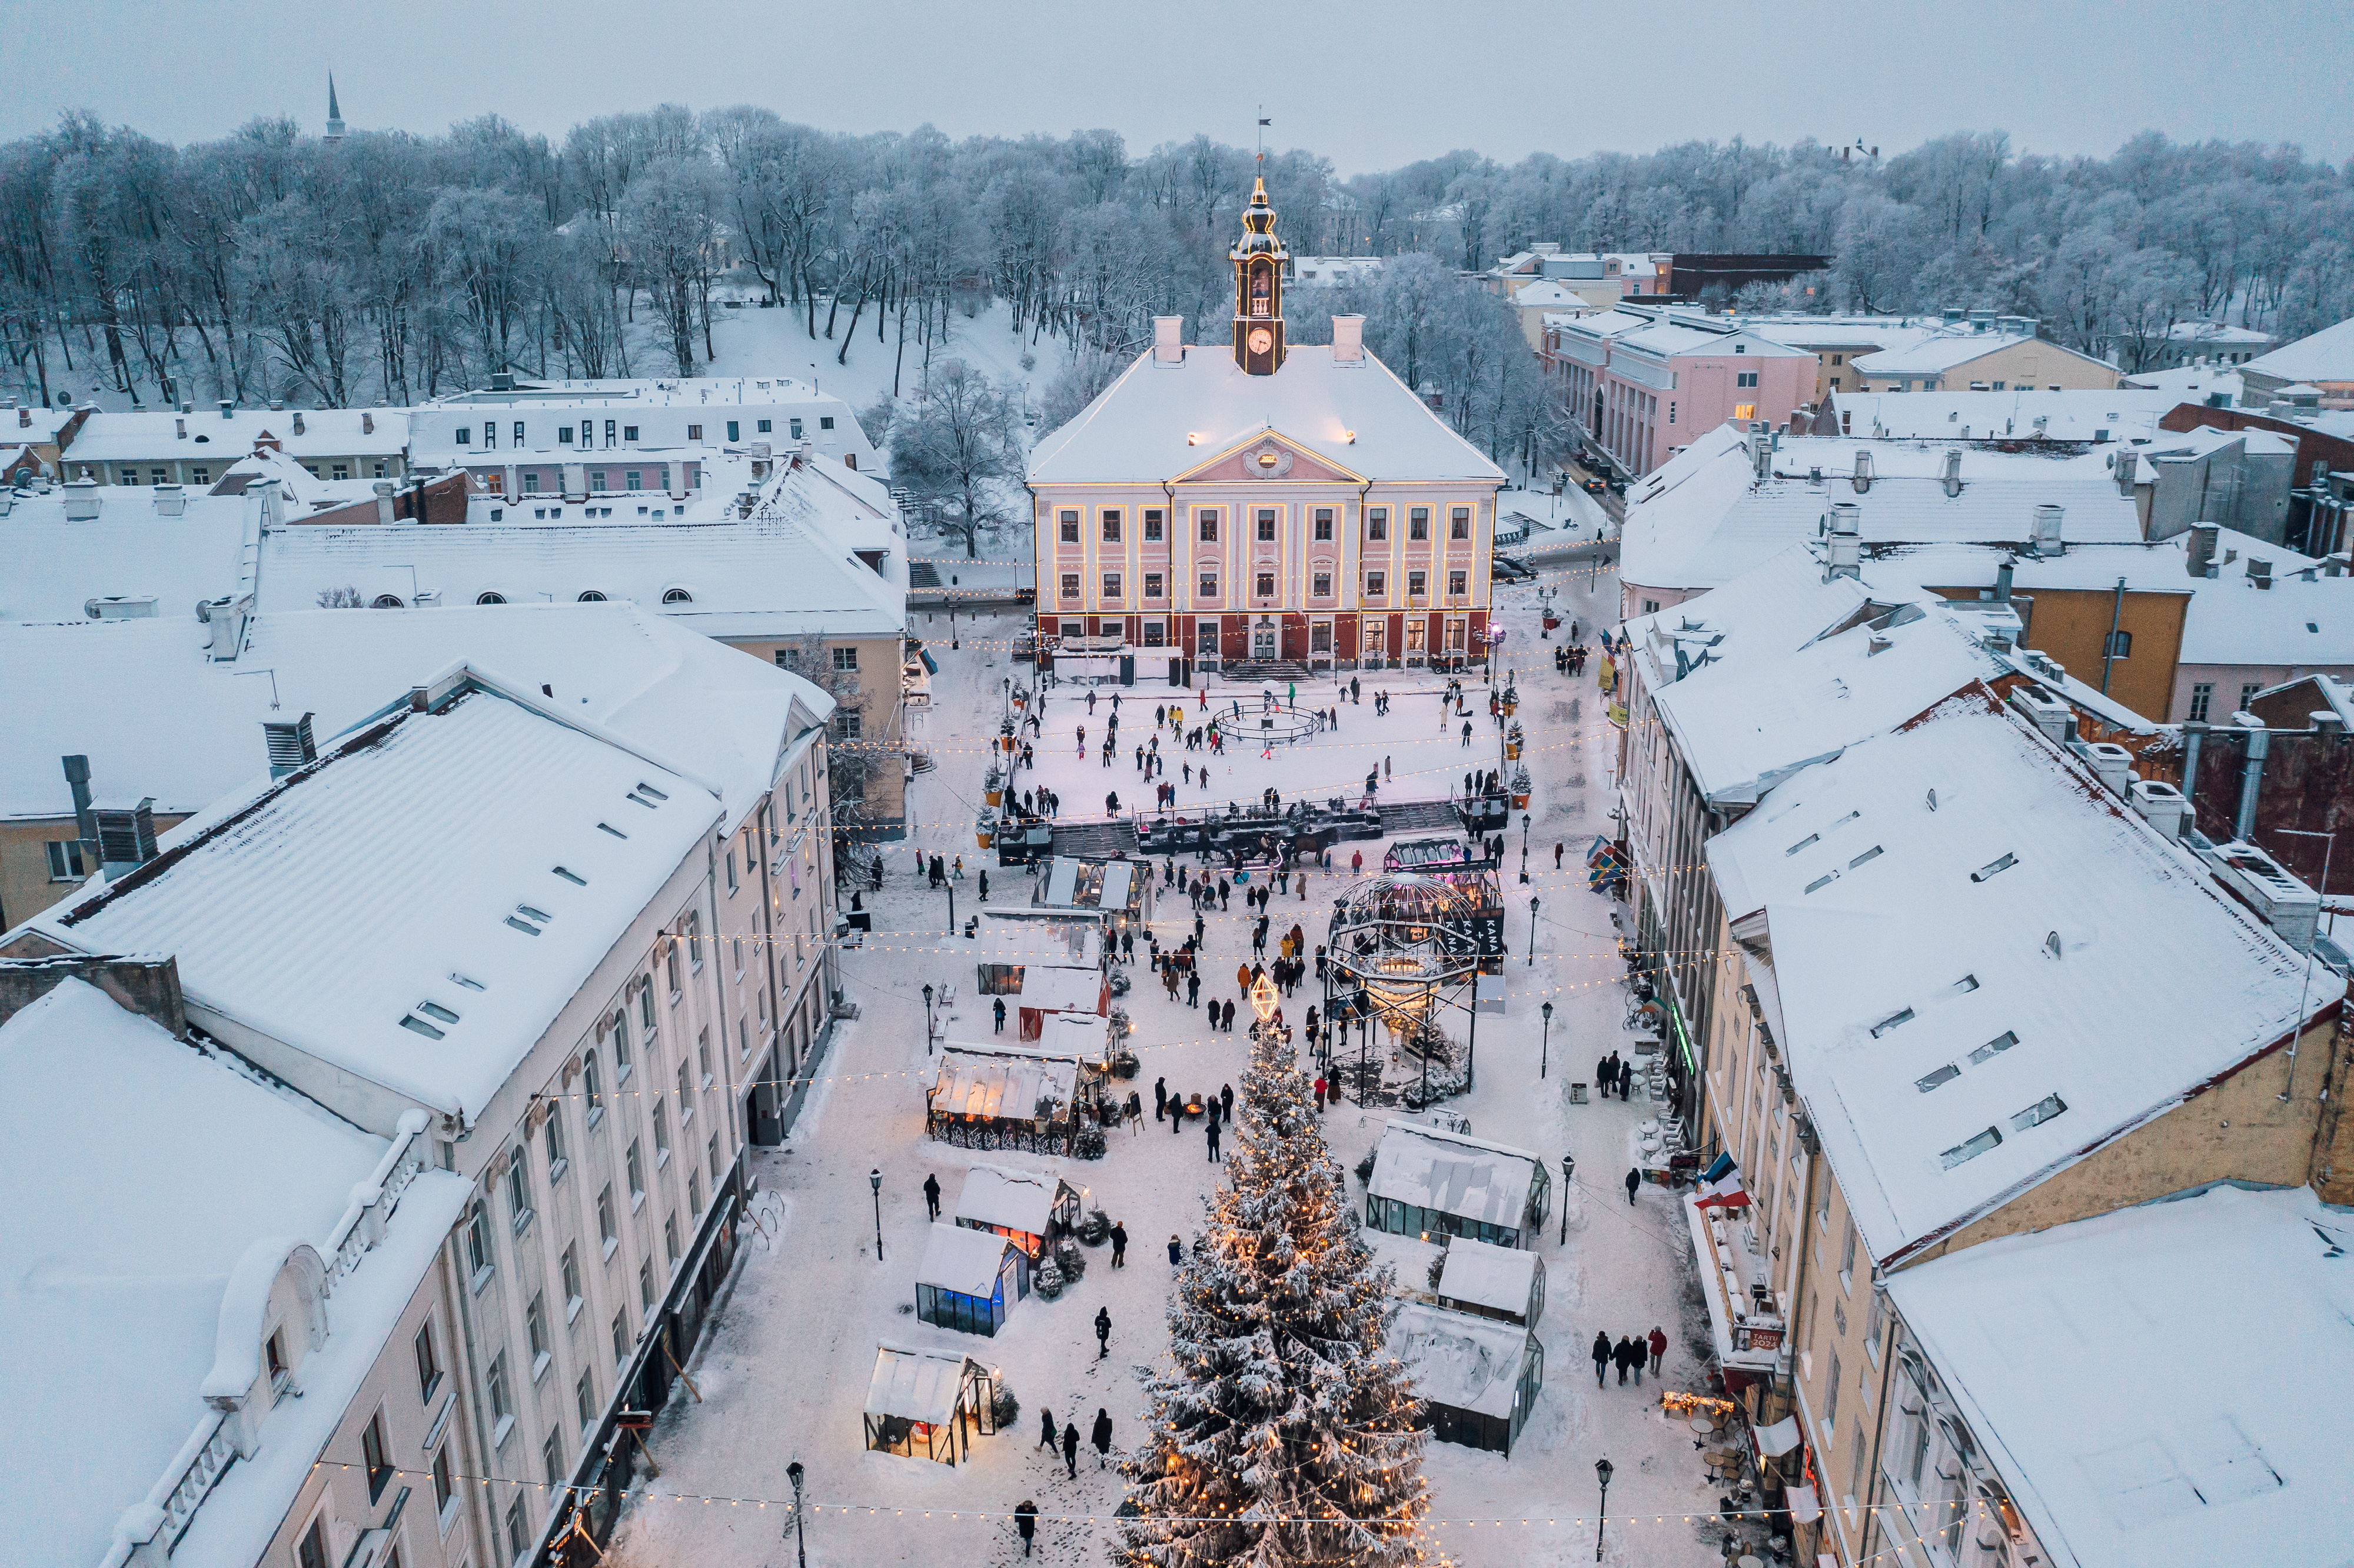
(519, 429)
(235, 1334)
(1644, 383)
(195, 448)
(580, 998)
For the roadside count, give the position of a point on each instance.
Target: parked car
(1510, 570)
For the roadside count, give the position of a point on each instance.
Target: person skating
(1659, 1343)
(1634, 1184)
(1025, 1522)
(1071, 1450)
(1102, 1436)
(1048, 1434)
(1103, 1332)
(1119, 1246)
(1210, 1123)
(932, 1193)
(1601, 1357)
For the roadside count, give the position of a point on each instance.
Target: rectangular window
(501, 1402)
(685, 1099)
(2248, 694)
(1377, 523)
(634, 479)
(607, 1231)
(637, 1174)
(628, 432)
(1324, 522)
(735, 431)
(557, 1162)
(711, 1153)
(845, 659)
(1267, 524)
(519, 1188)
(373, 1456)
(621, 1338)
(694, 1192)
(646, 1285)
(65, 861)
(1459, 522)
(1152, 524)
(531, 481)
(429, 1365)
(1376, 584)
(312, 1551)
(518, 432)
(669, 1237)
(445, 1484)
(1746, 378)
(795, 427)
(478, 1241)
(1831, 1397)
(465, 435)
(703, 1056)
(694, 432)
(1111, 526)
(1111, 585)
(1415, 586)
(584, 1397)
(1267, 584)
(764, 426)
(563, 435)
(1209, 586)
(2201, 695)
(1671, 411)
(491, 436)
(1418, 523)
(825, 421)
(551, 1457)
(1209, 519)
(1457, 583)
(1069, 523)
(1321, 584)
(534, 1328)
(518, 1530)
(1206, 635)
(1070, 584)
(1152, 585)
(1847, 1258)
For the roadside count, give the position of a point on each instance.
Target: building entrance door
(1263, 641)
(1416, 629)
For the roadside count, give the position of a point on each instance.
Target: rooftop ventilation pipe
(2161, 805)
(170, 501)
(2002, 583)
(289, 745)
(2198, 552)
(2047, 538)
(82, 499)
(2259, 573)
(85, 824)
(1169, 339)
(1862, 473)
(1953, 473)
(2260, 745)
(126, 838)
(227, 407)
(1844, 534)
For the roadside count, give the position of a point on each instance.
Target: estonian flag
(1719, 1184)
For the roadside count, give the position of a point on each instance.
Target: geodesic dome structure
(1405, 940)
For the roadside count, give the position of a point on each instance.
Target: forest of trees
(389, 267)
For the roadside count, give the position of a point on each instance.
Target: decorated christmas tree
(1283, 1431)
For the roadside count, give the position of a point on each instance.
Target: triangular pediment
(1270, 456)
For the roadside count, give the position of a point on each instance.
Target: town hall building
(1260, 503)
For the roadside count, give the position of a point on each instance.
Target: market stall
(969, 1277)
(927, 1404)
(1504, 1283)
(1431, 1183)
(993, 1096)
(1011, 940)
(1478, 1377)
(1028, 1208)
(1120, 889)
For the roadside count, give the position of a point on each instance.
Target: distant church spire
(334, 112)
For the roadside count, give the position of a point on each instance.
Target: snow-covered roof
(1072, 939)
(1460, 1360)
(1161, 420)
(1986, 965)
(156, 717)
(693, 391)
(122, 1248)
(1408, 1257)
(2191, 382)
(1074, 884)
(2056, 1348)
(1945, 348)
(1702, 519)
(1000, 1080)
(1555, 295)
(1488, 1275)
(2327, 356)
(456, 818)
(1052, 988)
(1085, 1034)
(2215, 331)
(1003, 1196)
(2119, 415)
(141, 436)
(959, 1258)
(51, 568)
(1453, 1173)
(916, 1384)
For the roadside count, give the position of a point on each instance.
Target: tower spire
(334, 112)
(1260, 259)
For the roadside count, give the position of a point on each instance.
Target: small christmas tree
(1283, 1433)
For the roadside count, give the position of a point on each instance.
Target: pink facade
(1644, 383)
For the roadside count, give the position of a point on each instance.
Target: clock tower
(1259, 260)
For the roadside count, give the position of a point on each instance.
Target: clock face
(1261, 339)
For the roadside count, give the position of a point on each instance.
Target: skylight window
(573, 877)
(1993, 1048)
(1939, 1079)
(1875, 850)
(434, 1009)
(2041, 1111)
(645, 789)
(414, 1022)
(1994, 868)
(1969, 1149)
(1891, 1020)
(528, 913)
(609, 828)
(1802, 843)
(464, 980)
(528, 930)
(1823, 881)
(1966, 984)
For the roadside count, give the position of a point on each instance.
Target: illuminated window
(1416, 585)
(1456, 583)
(1111, 526)
(1209, 586)
(1376, 584)
(1070, 584)
(1377, 523)
(1111, 585)
(1418, 523)
(1459, 522)
(1322, 585)
(1152, 585)
(1070, 521)
(1324, 522)
(1267, 584)
(1209, 519)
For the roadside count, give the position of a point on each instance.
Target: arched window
(592, 596)
(385, 601)
(490, 599)
(677, 595)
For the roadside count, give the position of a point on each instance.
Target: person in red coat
(1659, 1343)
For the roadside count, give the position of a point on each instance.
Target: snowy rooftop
(916, 1384)
(2327, 356)
(1053, 988)
(2123, 415)
(1458, 1360)
(2114, 1466)
(118, 1265)
(1702, 519)
(1066, 938)
(691, 391)
(1942, 349)
(1986, 967)
(1453, 1172)
(516, 843)
(1001, 1195)
(51, 568)
(204, 434)
(1158, 421)
(2193, 383)
(1074, 884)
(1489, 1275)
(1000, 1080)
(962, 1259)
(156, 717)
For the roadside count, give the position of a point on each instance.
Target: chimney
(2114, 763)
(382, 488)
(1348, 340)
(82, 499)
(2047, 713)
(23, 418)
(2252, 778)
(187, 408)
(289, 745)
(227, 407)
(1844, 533)
(2259, 573)
(263, 495)
(367, 423)
(1953, 473)
(179, 429)
(126, 838)
(85, 824)
(2327, 722)
(170, 501)
(2198, 552)
(2127, 466)
(2047, 538)
(1862, 471)
(1761, 458)
(2161, 805)
(2337, 563)
(298, 421)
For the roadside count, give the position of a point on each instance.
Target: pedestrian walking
(1210, 1122)
(1048, 1434)
(1601, 1357)
(1556, 855)
(1103, 1332)
(1626, 1079)
(1025, 1522)
(1659, 1343)
(1119, 1244)
(1102, 1437)
(1071, 1450)
(1226, 1021)
(1637, 1352)
(1467, 733)
(1176, 1251)
(1634, 1184)
(1227, 1101)
(998, 1012)
(1160, 1098)
(1193, 990)
(1622, 1356)
(932, 1193)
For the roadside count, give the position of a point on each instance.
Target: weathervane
(1263, 124)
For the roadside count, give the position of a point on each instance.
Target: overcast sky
(1370, 85)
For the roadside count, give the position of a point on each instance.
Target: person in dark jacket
(932, 1193)
(1227, 1021)
(1210, 1123)
(1626, 1079)
(1625, 1355)
(1601, 1359)
(1605, 1075)
(1025, 1522)
(1103, 1332)
(1639, 1351)
(1659, 1343)
(1227, 1101)
(1102, 1436)
(1634, 1184)
(998, 1011)
(1193, 989)
(1160, 1098)
(1176, 1252)
(1120, 1246)
(1071, 1450)
(1048, 1434)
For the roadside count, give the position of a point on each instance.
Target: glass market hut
(1007, 1098)
(1028, 1208)
(1507, 1284)
(1121, 890)
(1430, 1182)
(969, 1277)
(1011, 941)
(928, 1405)
(1478, 1377)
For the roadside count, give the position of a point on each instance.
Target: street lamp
(794, 1473)
(1532, 930)
(1602, 1471)
(928, 1019)
(1544, 1051)
(874, 1180)
(1568, 1177)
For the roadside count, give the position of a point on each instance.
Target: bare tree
(961, 444)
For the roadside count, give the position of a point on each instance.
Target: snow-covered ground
(785, 1375)
(754, 342)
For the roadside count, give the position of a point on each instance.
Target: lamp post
(927, 1020)
(1532, 930)
(1568, 1177)
(1544, 1051)
(874, 1180)
(1602, 1472)
(951, 887)
(794, 1474)
(2329, 843)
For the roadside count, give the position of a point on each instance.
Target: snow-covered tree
(1282, 1432)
